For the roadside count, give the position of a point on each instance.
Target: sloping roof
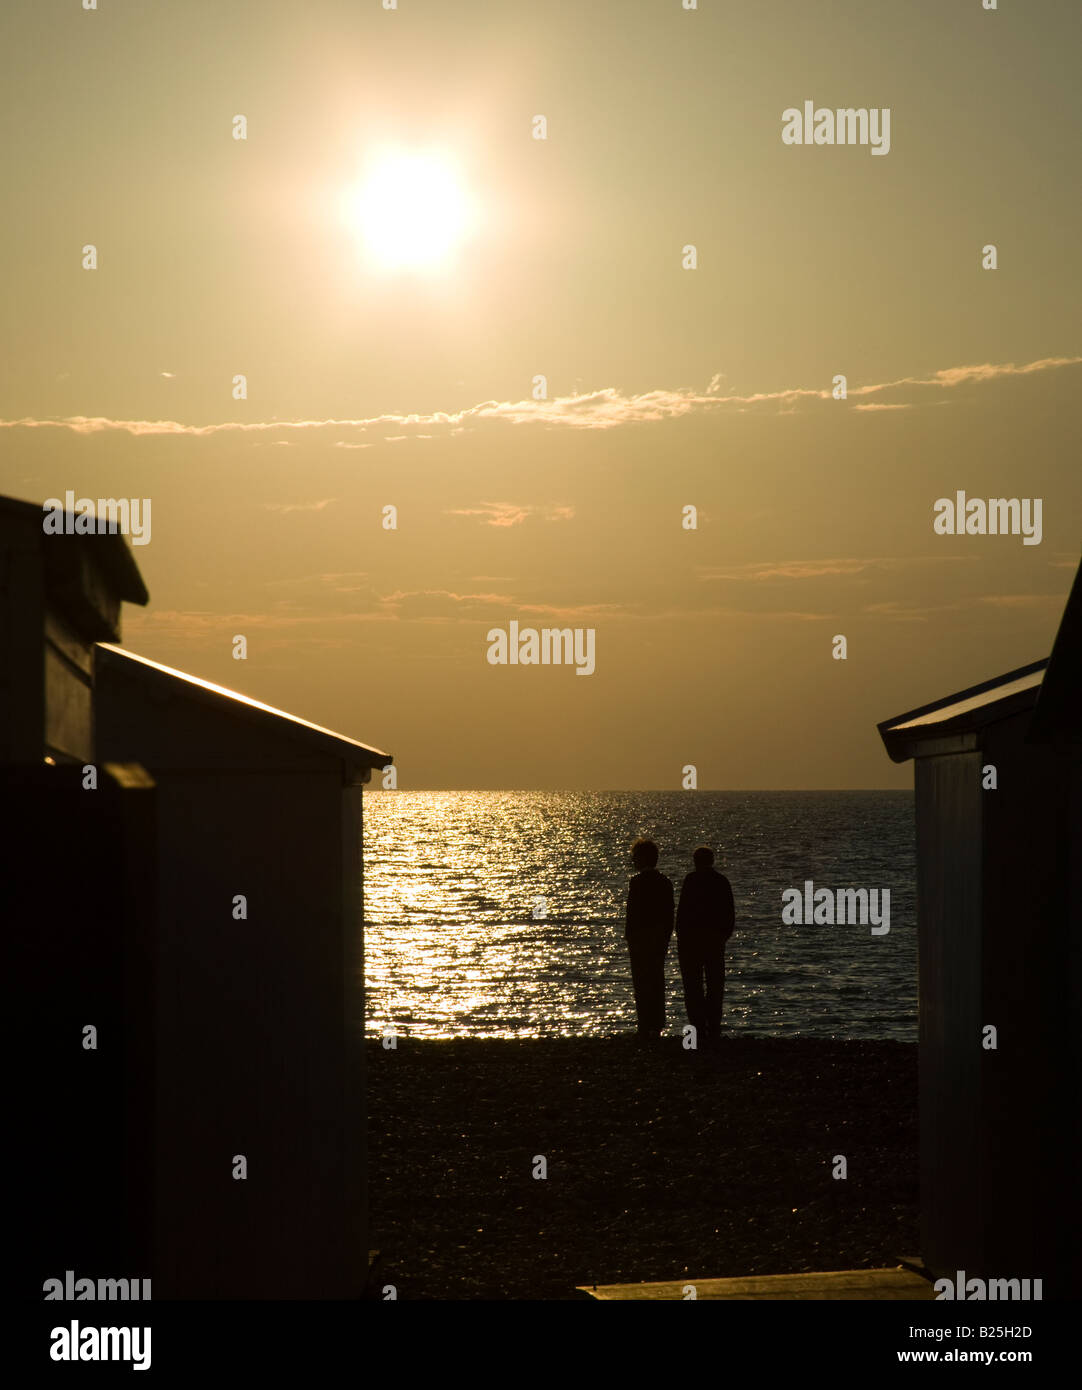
(108, 550)
(964, 712)
(276, 721)
(1052, 688)
(1058, 715)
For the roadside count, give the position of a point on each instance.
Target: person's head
(644, 854)
(704, 858)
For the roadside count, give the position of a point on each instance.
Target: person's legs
(642, 973)
(656, 995)
(714, 971)
(691, 971)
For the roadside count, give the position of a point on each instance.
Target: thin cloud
(603, 409)
(787, 569)
(900, 610)
(284, 507)
(817, 569)
(505, 514)
(1022, 600)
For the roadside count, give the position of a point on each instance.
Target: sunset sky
(372, 383)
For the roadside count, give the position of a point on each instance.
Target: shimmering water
(452, 879)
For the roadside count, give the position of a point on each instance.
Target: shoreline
(661, 1163)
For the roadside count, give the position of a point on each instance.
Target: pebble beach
(658, 1163)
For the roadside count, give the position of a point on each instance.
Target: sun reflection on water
(500, 914)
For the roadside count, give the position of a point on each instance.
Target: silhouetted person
(704, 923)
(649, 928)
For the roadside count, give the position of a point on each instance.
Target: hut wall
(1030, 1081)
(22, 621)
(251, 1040)
(353, 1217)
(258, 1020)
(46, 703)
(80, 889)
(69, 692)
(949, 809)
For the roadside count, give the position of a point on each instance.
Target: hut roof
(165, 682)
(108, 550)
(1051, 688)
(950, 719)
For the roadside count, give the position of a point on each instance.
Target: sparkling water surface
(452, 882)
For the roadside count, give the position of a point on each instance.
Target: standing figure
(704, 923)
(649, 928)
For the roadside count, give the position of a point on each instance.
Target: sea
(499, 914)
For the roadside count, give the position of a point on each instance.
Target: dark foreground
(660, 1165)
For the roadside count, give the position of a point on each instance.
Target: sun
(412, 211)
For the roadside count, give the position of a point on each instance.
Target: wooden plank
(69, 714)
(75, 649)
(839, 1284)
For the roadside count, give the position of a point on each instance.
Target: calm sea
(453, 881)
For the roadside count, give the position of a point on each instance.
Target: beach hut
(182, 876)
(998, 781)
(76, 854)
(258, 1128)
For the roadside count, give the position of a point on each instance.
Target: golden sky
(372, 383)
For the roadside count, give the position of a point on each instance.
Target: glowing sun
(412, 211)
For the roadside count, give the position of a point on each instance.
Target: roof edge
(234, 702)
(902, 743)
(960, 695)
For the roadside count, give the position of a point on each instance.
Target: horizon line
(609, 790)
